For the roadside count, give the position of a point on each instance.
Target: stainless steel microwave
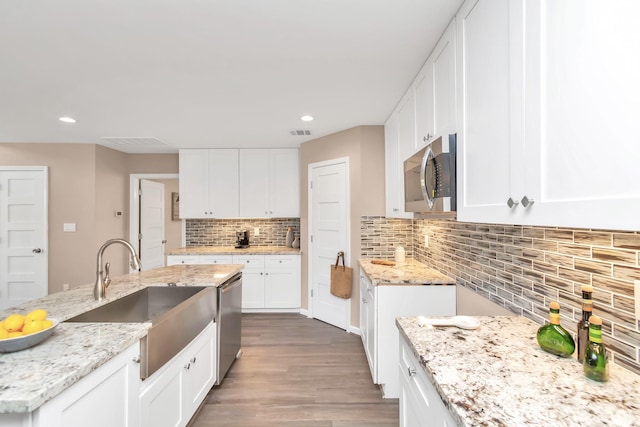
(430, 177)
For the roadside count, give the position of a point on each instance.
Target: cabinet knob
(37, 251)
(136, 359)
(526, 202)
(187, 366)
(411, 371)
(512, 203)
(193, 359)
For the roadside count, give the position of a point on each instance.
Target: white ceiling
(207, 73)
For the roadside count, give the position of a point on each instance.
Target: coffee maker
(242, 239)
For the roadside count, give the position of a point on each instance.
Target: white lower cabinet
(382, 304)
(107, 397)
(420, 403)
(270, 282)
(172, 395)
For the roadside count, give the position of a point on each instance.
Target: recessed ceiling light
(306, 118)
(67, 119)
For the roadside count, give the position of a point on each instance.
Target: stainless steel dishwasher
(229, 323)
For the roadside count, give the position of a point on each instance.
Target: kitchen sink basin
(144, 305)
(177, 315)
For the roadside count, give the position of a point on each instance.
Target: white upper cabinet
(487, 144)
(581, 113)
(209, 183)
(393, 152)
(269, 183)
(547, 108)
(435, 91)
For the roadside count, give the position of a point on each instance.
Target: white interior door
(151, 224)
(329, 207)
(23, 235)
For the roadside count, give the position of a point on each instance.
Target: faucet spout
(102, 282)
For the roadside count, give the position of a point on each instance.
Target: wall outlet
(69, 227)
(256, 231)
(426, 240)
(65, 286)
(637, 298)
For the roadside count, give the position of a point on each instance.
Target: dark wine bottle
(552, 337)
(595, 364)
(583, 324)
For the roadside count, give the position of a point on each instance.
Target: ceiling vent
(300, 132)
(134, 141)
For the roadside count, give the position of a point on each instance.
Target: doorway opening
(173, 230)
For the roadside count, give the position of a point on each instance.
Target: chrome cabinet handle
(512, 203)
(526, 202)
(37, 251)
(411, 371)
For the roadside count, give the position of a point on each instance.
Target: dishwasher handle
(231, 283)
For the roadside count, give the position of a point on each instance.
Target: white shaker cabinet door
(394, 172)
(254, 183)
(582, 113)
(444, 83)
(489, 145)
(195, 192)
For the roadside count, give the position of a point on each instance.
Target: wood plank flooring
(297, 371)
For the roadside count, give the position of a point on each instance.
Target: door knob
(37, 250)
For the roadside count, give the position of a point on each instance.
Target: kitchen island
(31, 377)
(497, 375)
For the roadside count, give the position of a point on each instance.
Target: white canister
(399, 254)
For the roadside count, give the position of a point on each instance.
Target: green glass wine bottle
(552, 337)
(583, 324)
(595, 364)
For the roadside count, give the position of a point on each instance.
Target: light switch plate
(256, 231)
(426, 240)
(69, 227)
(637, 298)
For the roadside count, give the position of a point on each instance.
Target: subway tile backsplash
(222, 232)
(524, 268)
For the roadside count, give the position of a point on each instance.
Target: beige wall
(87, 184)
(364, 146)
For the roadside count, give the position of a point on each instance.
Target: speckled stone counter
(31, 377)
(230, 250)
(410, 272)
(497, 375)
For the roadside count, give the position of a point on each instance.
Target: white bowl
(9, 345)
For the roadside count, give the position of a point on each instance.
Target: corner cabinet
(420, 404)
(107, 397)
(209, 185)
(538, 147)
(379, 307)
(269, 183)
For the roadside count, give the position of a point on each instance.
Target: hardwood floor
(297, 371)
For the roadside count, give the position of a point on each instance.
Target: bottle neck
(595, 333)
(554, 317)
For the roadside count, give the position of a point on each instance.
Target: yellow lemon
(39, 314)
(15, 334)
(46, 324)
(3, 334)
(14, 322)
(32, 327)
(1, 325)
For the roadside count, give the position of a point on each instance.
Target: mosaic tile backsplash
(524, 268)
(222, 232)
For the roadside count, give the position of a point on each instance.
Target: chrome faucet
(102, 282)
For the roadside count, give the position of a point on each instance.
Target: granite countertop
(410, 272)
(497, 375)
(31, 377)
(230, 250)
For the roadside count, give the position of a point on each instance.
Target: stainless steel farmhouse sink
(177, 315)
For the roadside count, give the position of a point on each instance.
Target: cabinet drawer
(287, 261)
(183, 259)
(216, 259)
(253, 261)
